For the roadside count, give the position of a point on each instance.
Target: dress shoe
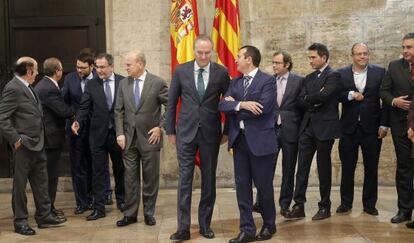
(96, 214)
(149, 220)
(126, 221)
(371, 211)
(298, 212)
(342, 209)
(243, 238)
(58, 212)
(80, 210)
(51, 220)
(322, 213)
(256, 208)
(265, 233)
(120, 207)
(400, 217)
(410, 225)
(24, 230)
(180, 235)
(284, 211)
(207, 233)
(108, 200)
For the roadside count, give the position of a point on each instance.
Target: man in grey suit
(138, 125)
(199, 84)
(21, 123)
(288, 119)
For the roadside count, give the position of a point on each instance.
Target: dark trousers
(405, 173)
(30, 166)
(186, 153)
(100, 161)
(53, 157)
(118, 168)
(81, 168)
(348, 152)
(289, 158)
(136, 159)
(249, 168)
(308, 145)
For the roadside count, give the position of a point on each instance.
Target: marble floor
(355, 227)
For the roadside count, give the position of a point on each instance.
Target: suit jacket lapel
(28, 93)
(254, 82)
(191, 80)
(145, 90)
(211, 78)
(289, 84)
(131, 94)
(350, 76)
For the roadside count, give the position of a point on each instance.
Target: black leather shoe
(410, 225)
(51, 220)
(96, 214)
(256, 208)
(180, 235)
(265, 233)
(400, 217)
(80, 210)
(342, 209)
(371, 211)
(322, 213)
(24, 230)
(121, 207)
(207, 233)
(149, 220)
(284, 211)
(58, 212)
(108, 200)
(126, 221)
(243, 238)
(298, 212)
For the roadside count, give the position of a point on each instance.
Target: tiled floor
(355, 227)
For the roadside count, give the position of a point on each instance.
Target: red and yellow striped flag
(184, 30)
(226, 34)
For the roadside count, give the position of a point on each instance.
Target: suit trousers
(308, 145)
(138, 161)
(81, 168)
(260, 170)
(53, 157)
(30, 166)
(348, 153)
(186, 153)
(118, 168)
(405, 173)
(289, 158)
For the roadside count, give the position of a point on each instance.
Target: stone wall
(269, 24)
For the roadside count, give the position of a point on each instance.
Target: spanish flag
(226, 34)
(184, 30)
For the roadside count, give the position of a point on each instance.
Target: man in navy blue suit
(249, 104)
(363, 124)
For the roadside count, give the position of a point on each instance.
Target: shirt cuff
(392, 102)
(384, 128)
(237, 108)
(351, 95)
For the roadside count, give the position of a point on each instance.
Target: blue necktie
(200, 83)
(108, 94)
(136, 93)
(246, 84)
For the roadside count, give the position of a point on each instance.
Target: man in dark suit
(138, 124)
(249, 104)
(55, 111)
(21, 123)
(288, 118)
(397, 91)
(319, 127)
(98, 102)
(363, 124)
(80, 156)
(199, 84)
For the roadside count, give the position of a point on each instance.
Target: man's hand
(155, 135)
(252, 106)
(382, 133)
(172, 139)
(358, 96)
(75, 127)
(224, 139)
(18, 144)
(121, 141)
(401, 102)
(229, 98)
(410, 134)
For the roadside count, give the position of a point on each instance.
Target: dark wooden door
(47, 28)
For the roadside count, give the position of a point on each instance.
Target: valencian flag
(226, 34)
(184, 30)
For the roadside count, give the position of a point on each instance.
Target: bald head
(135, 63)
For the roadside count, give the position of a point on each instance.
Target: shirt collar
(285, 76)
(54, 81)
(363, 71)
(252, 73)
(22, 80)
(143, 76)
(196, 67)
(323, 68)
(90, 76)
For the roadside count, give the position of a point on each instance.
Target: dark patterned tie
(108, 94)
(246, 84)
(200, 83)
(136, 93)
